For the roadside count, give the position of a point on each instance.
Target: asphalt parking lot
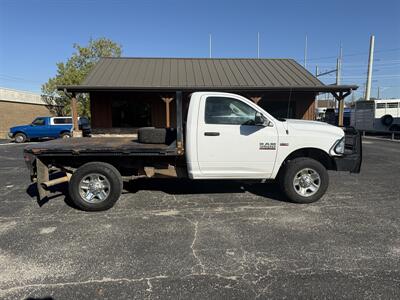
(180, 239)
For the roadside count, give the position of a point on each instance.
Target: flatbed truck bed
(108, 146)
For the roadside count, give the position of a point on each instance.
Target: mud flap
(42, 176)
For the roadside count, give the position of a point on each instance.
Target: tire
(151, 135)
(65, 135)
(387, 120)
(108, 177)
(309, 173)
(20, 138)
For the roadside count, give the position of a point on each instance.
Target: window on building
(131, 113)
(223, 110)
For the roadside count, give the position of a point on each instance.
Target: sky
(36, 34)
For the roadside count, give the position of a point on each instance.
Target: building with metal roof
(133, 92)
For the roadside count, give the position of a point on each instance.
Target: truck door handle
(211, 133)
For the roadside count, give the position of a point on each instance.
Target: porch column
(74, 110)
(255, 99)
(167, 101)
(340, 98)
(341, 112)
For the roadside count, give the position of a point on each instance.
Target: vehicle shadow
(60, 190)
(270, 189)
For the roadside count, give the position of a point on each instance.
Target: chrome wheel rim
(19, 138)
(66, 136)
(94, 188)
(306, 182)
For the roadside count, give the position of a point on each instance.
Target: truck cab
(47, 127)
(229, 136)
(225, 136)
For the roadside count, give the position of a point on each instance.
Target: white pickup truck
(221, 136)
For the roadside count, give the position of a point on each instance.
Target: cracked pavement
(210, 239)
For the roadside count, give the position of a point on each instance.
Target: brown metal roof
(200, 74)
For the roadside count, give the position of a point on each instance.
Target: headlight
(339, 147)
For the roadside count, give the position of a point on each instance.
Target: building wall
(13, 113)
(279, 104)
(101, 108)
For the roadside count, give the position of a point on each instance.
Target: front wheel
(304, 180)
(20, 138)
(95, 186)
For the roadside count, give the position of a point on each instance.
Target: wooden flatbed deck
(100, 146)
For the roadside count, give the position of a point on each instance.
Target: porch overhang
(314, 89)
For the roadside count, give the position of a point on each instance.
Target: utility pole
(370, 62)
(316, 71)
(338, 82)
(339, 66)
(258, 45)
(379, 92)
(305, 53)
(210, 44)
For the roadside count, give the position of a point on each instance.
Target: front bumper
(352, 158)
(10, 135)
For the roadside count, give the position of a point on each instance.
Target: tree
(73, 72)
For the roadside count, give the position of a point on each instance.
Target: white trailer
(376, 115)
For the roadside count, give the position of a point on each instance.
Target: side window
(223, 110)
(62, 120)
(39, 122)
(381, 105)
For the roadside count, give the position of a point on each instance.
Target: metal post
(258, 45)
(338, 72)
(179, 125)
(305, 53)
(210, 45)
(370, 62)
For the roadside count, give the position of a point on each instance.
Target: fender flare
(318, 154)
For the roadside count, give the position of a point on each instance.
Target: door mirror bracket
(260, 120)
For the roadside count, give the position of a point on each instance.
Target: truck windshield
(38, 122)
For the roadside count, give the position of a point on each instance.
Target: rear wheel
(95, 186)
(304, 180)
(20, 137)
(387, 120)
(65, 135)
